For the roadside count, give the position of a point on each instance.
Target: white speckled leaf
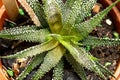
(85, 10)
(51, 59)
(84, 59)
(83, 29)
(95, 42)
(58, 71)
(32, 51)
(25, 33)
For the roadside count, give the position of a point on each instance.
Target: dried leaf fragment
(16, 69)
(20, 63)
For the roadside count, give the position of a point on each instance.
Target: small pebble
(108, 21)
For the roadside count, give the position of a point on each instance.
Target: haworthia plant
(64, 33)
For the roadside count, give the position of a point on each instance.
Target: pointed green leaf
(29, 52)
(95, 42)
(35, 62)
(76, 54)
(83, 58)
(76, 66)
(53, 15)
(71, 11)
(67, 8)
(60, 3)
(50, 61)
(104, 70)
(58, 71)
(85, 10)
(69, 3)
(83, 29)
(25, 33)
(76, 11)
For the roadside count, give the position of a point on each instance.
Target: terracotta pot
(3, 14)
(8, 9)
(115, 15)
(117, 72)
(2, 72)
(12, 8)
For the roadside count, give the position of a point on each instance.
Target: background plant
(62, 32)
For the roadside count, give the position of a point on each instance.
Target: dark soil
(104, 54)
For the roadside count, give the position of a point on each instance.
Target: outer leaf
(26, 33)
(69, 3)
(67, 8)
(83, 29)
(60, 3)
(76, 11)
(85, 10)
(35, 62)
(83, 58)
(58, 71)
(30, 11)
(104, 70)
(71, 11)
(53, 15)
(29, 52)
(50, 61)
(78, 55)
(95, 42)
(35, 11)
(76, 66)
